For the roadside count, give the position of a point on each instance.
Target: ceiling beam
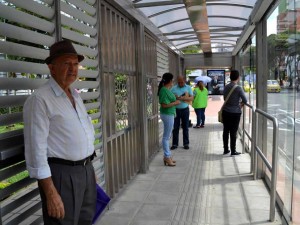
(224, 29)
(184, 38)
(166, 11)
(175, 21)
(158, 3)
(197, 12)
(229, 4)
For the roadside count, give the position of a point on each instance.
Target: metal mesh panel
(121, 101)
(151, 68)
(120, 97)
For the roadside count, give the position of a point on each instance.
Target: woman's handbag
(220, 117)
(102, 201)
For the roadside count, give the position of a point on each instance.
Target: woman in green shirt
(200, 103)
(167, 102)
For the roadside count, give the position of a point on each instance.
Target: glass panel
(283, 58)
(248, 80)
(218, 12)
(226, 10)
(176, 26)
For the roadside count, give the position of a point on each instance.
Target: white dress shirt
(53, 128)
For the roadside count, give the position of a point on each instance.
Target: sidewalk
(204, 188)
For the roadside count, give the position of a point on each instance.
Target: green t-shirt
(200, 98)
(166, 97)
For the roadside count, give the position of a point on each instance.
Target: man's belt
(82, 162)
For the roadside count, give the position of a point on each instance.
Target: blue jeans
(182, 115)
(200, 116)
(168, 121)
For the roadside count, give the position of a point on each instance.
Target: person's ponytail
(166, 78)
(201, 85)
(161, 84)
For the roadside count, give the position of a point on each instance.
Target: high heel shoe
(169, 162)
(174, 161)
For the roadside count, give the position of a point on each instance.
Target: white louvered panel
(92, 2)
(78, 14)
(35, 7)
(88, 73)
(20, 83)
(77, 25)
(49, 2)
(75, 36)
(8, 119)
(93, 105)
(85, 50)
(89, 62)
(23, 67)
(98, 135)
(85, 84)
(25, 35)
(162, 60)
(84, 6)
(32, 52)
(16, 100)
(89, 95)
(95, 115)
(98, 125)
(18, 16)
(15, 49)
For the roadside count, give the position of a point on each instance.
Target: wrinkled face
(64, 70)
(180, 82)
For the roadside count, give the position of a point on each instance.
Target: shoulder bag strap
(228, 96)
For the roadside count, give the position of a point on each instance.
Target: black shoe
(186, 147)
(235, 153)
(173, 147)
(226, 152)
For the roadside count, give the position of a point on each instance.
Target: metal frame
(256, 151)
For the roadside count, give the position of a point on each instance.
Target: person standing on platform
(59, 142)
(232, 112)
(167, 102)
(184, 93)
(200, 103)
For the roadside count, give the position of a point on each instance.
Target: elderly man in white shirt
(59, 138)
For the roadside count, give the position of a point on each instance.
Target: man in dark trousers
(184, 93)
(59, 142)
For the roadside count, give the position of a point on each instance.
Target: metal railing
(245, 132)
(255, 149)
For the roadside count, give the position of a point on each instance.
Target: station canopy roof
(210, 25)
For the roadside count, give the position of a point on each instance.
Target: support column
(261, 89)
(57, 21)
(142, 107)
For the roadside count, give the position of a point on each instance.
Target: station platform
(205, 187)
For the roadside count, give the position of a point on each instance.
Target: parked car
(273, 86)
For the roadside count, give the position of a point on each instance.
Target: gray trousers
(77, 188)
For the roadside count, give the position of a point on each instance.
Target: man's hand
(55, 206)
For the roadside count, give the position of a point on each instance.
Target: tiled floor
(204, 188)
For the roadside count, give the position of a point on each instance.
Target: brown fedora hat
(64, 47)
